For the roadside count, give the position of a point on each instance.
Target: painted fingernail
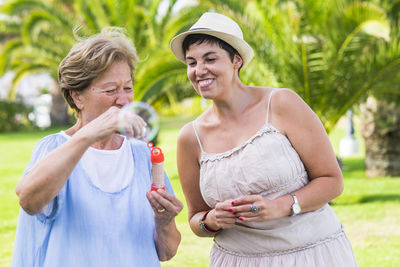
(240, 218)
(230, 210)
(234, 213)
(233, 203)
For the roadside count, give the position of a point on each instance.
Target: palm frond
(154, 73)
(7, 52)
(21, 72)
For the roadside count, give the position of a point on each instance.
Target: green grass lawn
(368, 208)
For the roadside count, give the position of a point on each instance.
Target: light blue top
(87, 226)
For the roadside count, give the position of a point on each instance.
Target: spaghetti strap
(197, 136)
(269, 102)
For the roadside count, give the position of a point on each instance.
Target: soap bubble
(146, 112)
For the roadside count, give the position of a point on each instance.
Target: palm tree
(160, 76)
(381, 113)
(323, 50)
(333, 54)
(38, 46)
(45, 35)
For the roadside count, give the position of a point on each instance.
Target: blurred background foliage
(14, 116)
(335, 53)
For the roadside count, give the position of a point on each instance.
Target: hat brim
(243, 48)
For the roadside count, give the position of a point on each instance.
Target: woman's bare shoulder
(186, 132)
(288, 109)
(285, 99)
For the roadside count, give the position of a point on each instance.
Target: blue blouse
(87, 226)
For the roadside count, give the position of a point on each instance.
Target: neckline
(104, 151)
(267, 127)
(122, 190)
(89, 180)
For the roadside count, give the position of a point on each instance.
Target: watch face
(296, 208)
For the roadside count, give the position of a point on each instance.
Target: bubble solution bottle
(157, 169)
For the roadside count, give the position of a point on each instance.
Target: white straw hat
(219, 26)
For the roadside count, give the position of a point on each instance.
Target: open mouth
(205, 83)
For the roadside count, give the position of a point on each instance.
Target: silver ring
(254, 208)
(161, 210)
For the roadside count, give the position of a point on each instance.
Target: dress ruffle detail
(266, 129)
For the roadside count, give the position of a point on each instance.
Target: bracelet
(204, 227)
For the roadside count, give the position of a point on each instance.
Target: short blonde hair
(91, 57)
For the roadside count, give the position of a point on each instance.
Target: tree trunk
(59, 108)
(381, 133)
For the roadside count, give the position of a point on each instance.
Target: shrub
(14, 116)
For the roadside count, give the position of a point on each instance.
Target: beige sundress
(268, 165)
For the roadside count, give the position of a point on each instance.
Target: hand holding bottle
(157, 169)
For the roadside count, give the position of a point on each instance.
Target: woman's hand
(166, 236)
(222, 216)
(109, 123)
(267, 209)
(130, 124)
(166, 206)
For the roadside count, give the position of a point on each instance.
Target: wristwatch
(296, 209)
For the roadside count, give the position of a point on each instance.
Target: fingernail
(234, 213)
(233, 203)
(230, 210)
(240, 218)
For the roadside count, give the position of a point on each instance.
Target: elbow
(166, 256)
(25, 201)
(339, 186)
(171, 251)
(28, 207)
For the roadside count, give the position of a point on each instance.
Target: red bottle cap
(155, 188)
(156, 155)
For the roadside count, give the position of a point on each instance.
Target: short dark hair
(199, 38)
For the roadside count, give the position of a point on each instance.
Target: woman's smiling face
(209, 68)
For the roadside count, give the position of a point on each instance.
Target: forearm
(314, 195)
(209, 221)
(167, 239)
(49, 175)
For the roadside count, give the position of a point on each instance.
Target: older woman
(85, 195)
(257, 168)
